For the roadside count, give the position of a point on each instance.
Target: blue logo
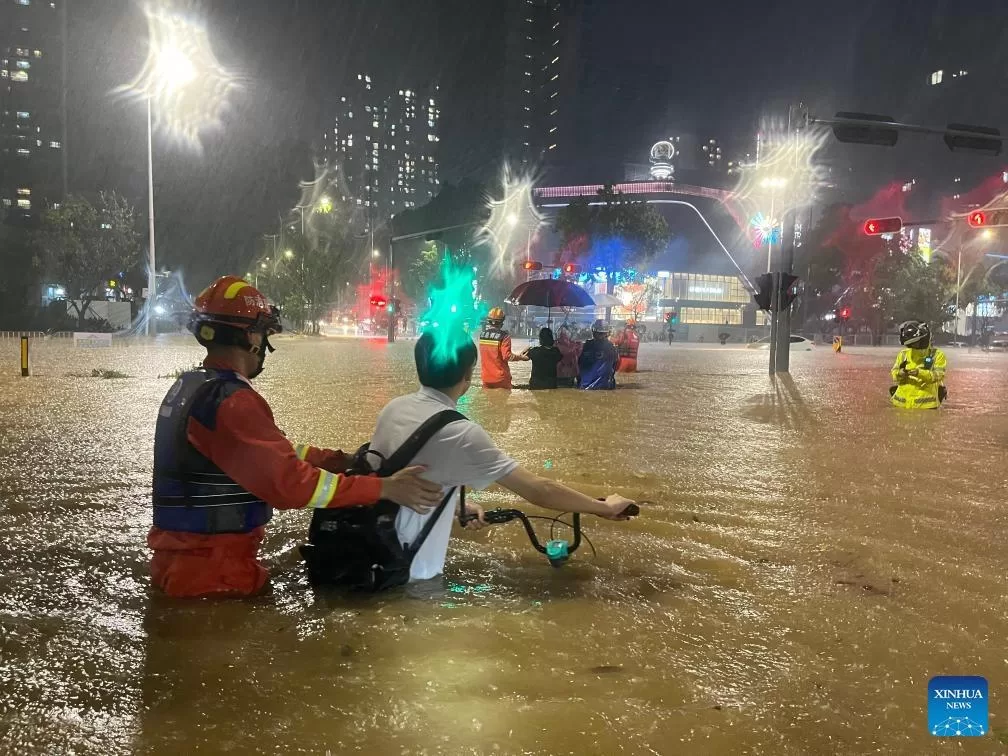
(957, 706)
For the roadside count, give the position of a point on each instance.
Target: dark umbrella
(550, 293)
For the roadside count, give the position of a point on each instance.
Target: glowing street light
(512, 219)
(289, 254)
(375, 253)
(325, 204)
(988, 233)
(190, 89)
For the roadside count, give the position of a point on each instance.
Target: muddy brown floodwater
(811, 558)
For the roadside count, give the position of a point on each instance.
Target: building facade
(32, 107)
(385, 144)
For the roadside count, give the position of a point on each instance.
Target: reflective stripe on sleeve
(325, 490)
(301, 450)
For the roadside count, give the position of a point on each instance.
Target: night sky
(647, 68)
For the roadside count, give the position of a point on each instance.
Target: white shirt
(460, 454)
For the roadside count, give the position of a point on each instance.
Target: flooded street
(809, 559)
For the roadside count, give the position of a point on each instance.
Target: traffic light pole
(774, 320)
(783, 355)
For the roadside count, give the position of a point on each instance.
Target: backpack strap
(402, 456)
(412, 548)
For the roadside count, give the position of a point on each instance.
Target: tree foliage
(618, 232)
(83, 245)
(305, 276)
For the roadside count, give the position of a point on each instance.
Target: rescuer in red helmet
(627, 344)
(221, 465)
(495, 352)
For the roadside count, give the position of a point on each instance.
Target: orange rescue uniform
(246, 445)
(627, 344)
(495, 353)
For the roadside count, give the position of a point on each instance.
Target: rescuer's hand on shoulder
(408, 489)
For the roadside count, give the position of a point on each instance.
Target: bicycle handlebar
(556, 551)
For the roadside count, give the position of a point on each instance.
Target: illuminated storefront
(705, 299)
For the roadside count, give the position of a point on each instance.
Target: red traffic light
(977, 219)
(532, 265)
(877, 226)
(377, 301)
(570, 269)
(845, 313)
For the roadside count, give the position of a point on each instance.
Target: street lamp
(289, 254)
(375, 253)
(178, 74)
(172, 70)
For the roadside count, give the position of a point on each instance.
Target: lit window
(374, 124)
(24, 65)
(24, 204)
(55, 145)
(553, 129)
(25, 114)
(936, 77)
(555, 77)
(24, 2)
(24, 191)
(554, 60)
(367, 79)
(552, 146)
(19, 76)
(6, 202)
(38, 53)
(24, 151)
(359, 77)
(350, 114)
(4, 74)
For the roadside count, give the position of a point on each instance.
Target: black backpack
(357, 547)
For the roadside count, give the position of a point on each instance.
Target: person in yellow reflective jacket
(919, 370)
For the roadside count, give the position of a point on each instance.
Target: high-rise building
(32, 106)
(385, 143)
(541, 63)
(710, 156)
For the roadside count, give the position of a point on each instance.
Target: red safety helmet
(229, 309)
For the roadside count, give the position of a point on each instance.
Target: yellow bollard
(24, 356)
(837, 344)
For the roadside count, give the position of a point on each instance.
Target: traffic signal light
(786, 296)
(378, 301)
(673, 317)
(570, 269)
(764, 285)
(844, 314)
(788, 291)
(997, 216)
(876, 226)
(532, 265)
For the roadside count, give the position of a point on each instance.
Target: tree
(984, 287)
(611, 232)
(83, 246)
(20, 285)
(304, 276)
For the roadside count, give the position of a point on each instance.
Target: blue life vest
(191, 494)
(597, 365)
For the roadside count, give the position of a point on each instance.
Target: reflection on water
(811, 558)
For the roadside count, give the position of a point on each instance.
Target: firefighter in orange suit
(627, 344)
(221, 465)
(495, 352)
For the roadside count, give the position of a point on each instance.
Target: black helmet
(915, 334)
(600, 326)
